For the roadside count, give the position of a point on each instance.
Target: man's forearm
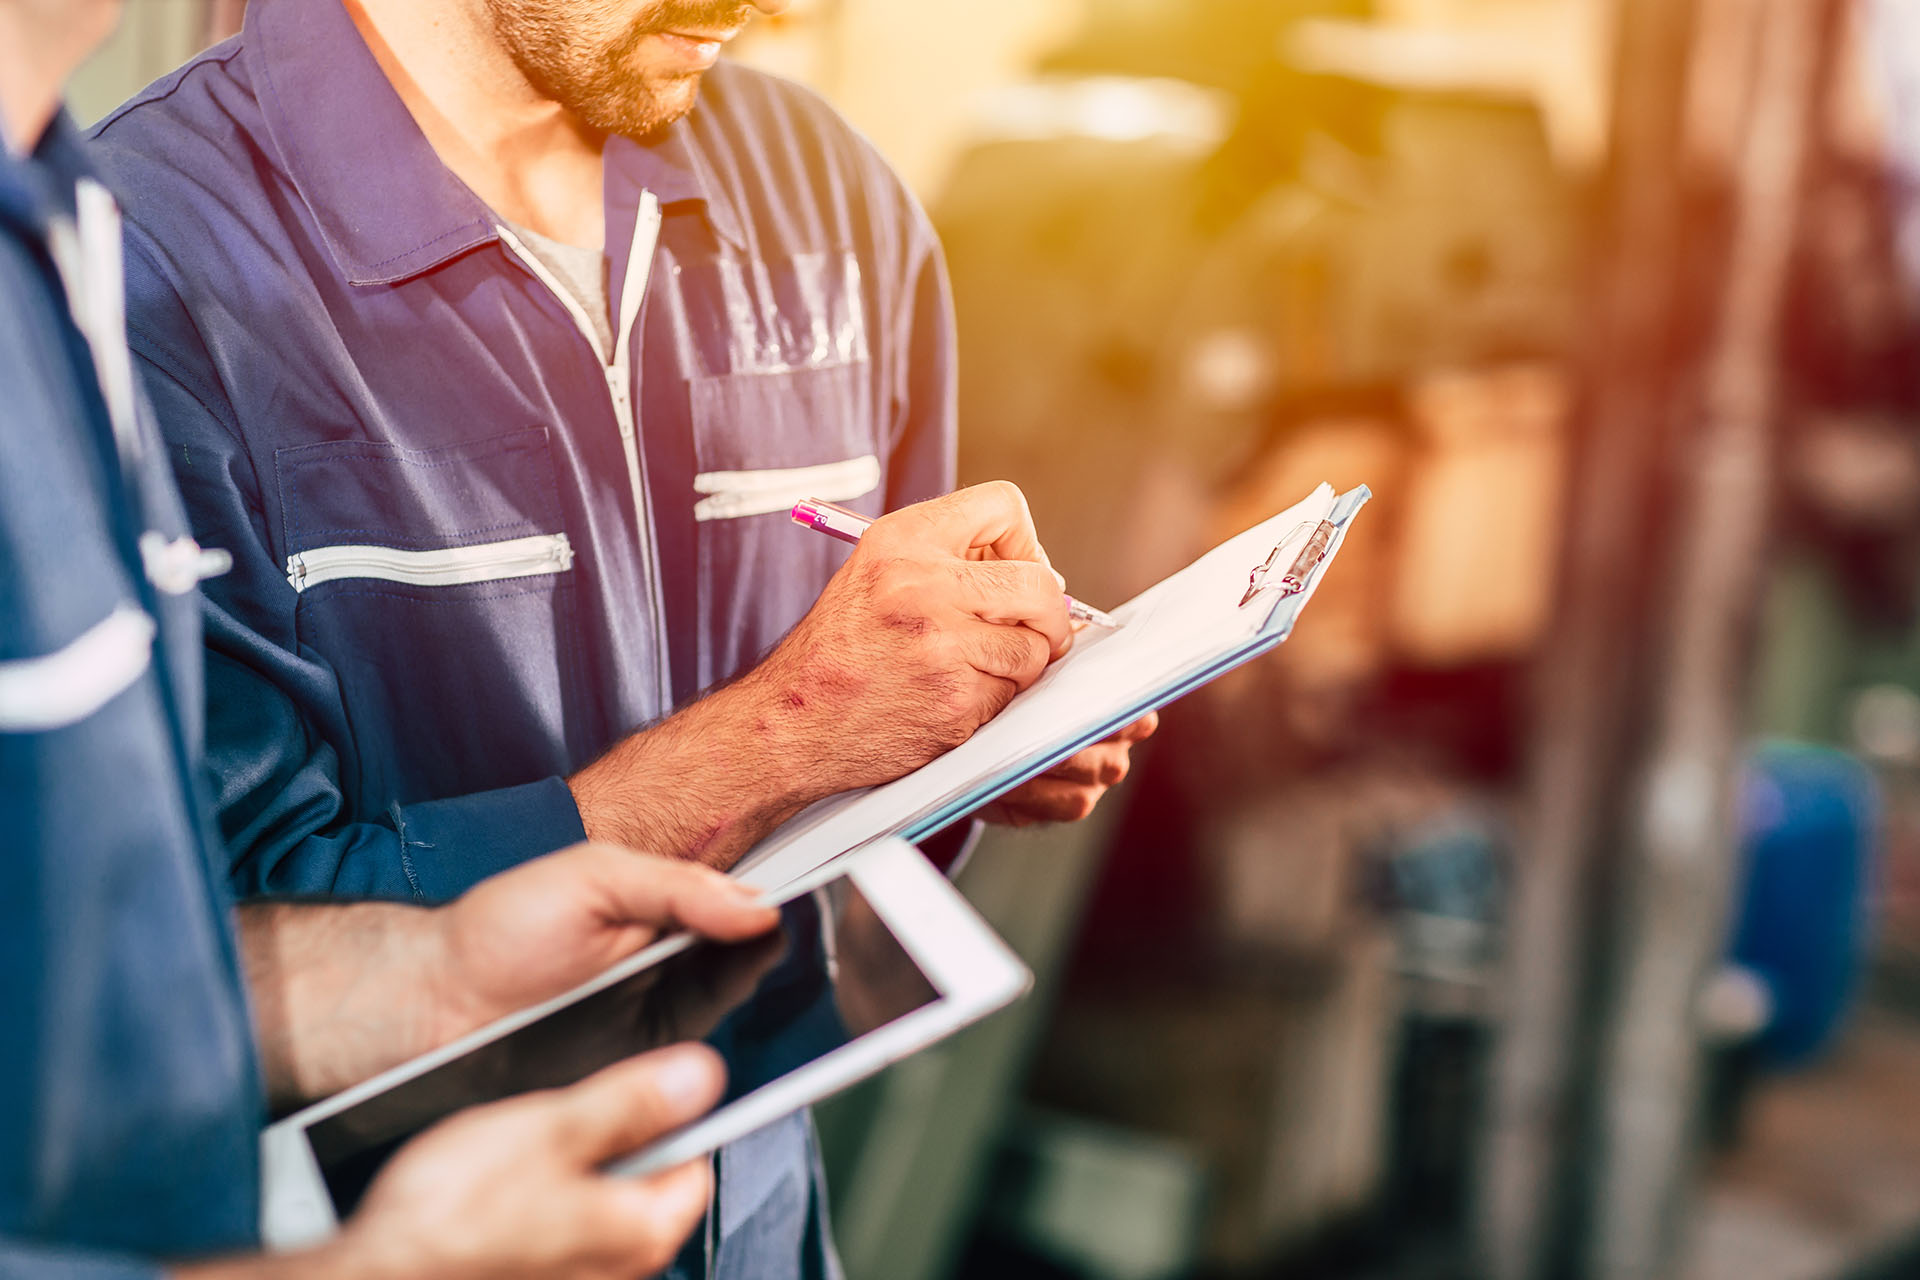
(327, 1263)
(942, 614)
(711, 780)
(340, 992)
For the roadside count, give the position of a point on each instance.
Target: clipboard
(1275, 575)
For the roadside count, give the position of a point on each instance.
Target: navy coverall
(469, 555)
(129, 1093)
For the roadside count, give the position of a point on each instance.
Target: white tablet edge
(296, 1211)
(970, 968)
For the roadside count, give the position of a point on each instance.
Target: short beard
(549, 42)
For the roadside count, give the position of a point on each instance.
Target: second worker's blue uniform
(130, 1099)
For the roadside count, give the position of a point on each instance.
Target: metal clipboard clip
(1294, 580)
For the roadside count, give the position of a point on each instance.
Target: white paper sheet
(1173, 628)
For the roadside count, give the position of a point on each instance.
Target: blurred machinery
(1283, 1008)
(1248, 279)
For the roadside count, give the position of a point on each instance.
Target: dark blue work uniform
(129, 1095)
(470, 556)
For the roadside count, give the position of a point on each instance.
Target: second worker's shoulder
(193, 161)
(200, 119)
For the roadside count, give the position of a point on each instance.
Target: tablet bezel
(971, 970)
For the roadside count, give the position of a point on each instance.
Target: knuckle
(942, 698)
(960, 703)
(1031, 654)
(882, 573)
(885, 533)
(885, 573)
(1005, 654)
(1073, 769)
(565, 1127)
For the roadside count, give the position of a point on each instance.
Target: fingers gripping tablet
(906, 962)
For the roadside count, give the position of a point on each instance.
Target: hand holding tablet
(912, 963)
(909, 961)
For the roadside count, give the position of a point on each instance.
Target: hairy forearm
(709, 781)
(337, 1261)
(914, 644)
(340, 992)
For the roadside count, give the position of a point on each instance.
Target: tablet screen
(769, 1005)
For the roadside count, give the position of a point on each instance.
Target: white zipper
(732, 494)
(619, 375)
(447, 567)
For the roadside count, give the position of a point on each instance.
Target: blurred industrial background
(1549, 907)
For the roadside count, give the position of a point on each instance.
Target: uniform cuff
(448, 846)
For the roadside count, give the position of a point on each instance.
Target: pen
(838, 522)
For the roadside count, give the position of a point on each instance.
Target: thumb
(620, 1109)
(639, 888)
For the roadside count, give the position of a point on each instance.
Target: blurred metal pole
(1587, 671)
(1683, 868)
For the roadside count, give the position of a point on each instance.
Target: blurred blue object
(1444, 883)
(1808, 823)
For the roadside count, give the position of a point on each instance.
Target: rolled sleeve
(484, 834)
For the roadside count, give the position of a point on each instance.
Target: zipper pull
(179, 566)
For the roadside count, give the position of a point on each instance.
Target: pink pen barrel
(835, 522)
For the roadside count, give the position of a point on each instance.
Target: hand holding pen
(847, 526)
(1067, 792)
(945, 610)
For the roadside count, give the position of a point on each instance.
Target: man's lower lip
(690, 49)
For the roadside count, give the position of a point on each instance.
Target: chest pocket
(788, 414)
(438, 585)
(764, 441)
(787, 411)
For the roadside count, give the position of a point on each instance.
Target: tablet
(907, 962)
